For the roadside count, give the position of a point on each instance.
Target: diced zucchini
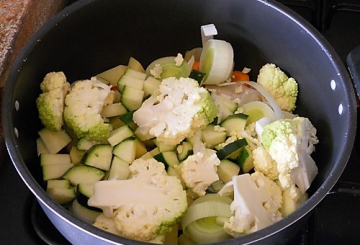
(98, 156)
(83, 193)
(113, 110)
(119, 134)
(129, 81)
(234, 123)
(76, 155)
(83, 213)
(227, 169)
(112, 75)
(127, 117)
(84, 144)
(140, 149)
(231, 148)
(40, 147)
(135, 74)
(169, 158)
(150, 154)
(184, 150)
(83, 174)
(212, 137)
(141, 135)
(52, 159)
(197, 75)
(135, 65)
(229, 103)
(116, 122)
(126, 150)
(150, 85)
(171, 171)
(132, 98)
(62, 195)
(217, 186)
(246, 160)
(164, 147)
(191, 140)
(54, 141)
(55, 171)
(131, 78)
(119, 169)
(61, 183)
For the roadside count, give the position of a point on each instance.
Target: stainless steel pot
(93, 35)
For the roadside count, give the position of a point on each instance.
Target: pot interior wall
(106, 33)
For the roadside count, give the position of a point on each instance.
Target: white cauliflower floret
(290, 143)
(156, 71)
(279, 85)
(108, 224)
(257, 201)
(264, 163)
(50, 103)
(175, 111)
(179, 59)
(199, 170)
(83, 106)
(146, 206)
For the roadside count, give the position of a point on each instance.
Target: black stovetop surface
(335, 221)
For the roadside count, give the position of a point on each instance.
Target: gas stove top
(335, 221)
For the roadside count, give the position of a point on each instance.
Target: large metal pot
(94, 35)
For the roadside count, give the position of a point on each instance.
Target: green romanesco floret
(175, 111)
(290, 143)
(83, 105)
(279, 85)
(50, 102)
(145, 206)
(257, 200)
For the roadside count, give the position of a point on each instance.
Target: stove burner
(43, 226)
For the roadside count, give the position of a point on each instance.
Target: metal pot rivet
(333, 84)
(17, 105)
(16, 132)
(341, 109)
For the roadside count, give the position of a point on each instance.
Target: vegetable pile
(186, 151)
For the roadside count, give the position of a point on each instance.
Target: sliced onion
(169, 68)
(272, 102)
(206, 230)
(217, 60)
(194, 53)
(257, 110)
(207, 206)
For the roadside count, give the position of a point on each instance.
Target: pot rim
(61, 212)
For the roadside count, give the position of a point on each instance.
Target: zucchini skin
(231, 148)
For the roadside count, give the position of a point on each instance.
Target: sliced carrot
(196, 65)
(238, 76)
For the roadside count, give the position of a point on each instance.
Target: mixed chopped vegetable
(188, 150)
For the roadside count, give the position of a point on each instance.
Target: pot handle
(353, 63)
